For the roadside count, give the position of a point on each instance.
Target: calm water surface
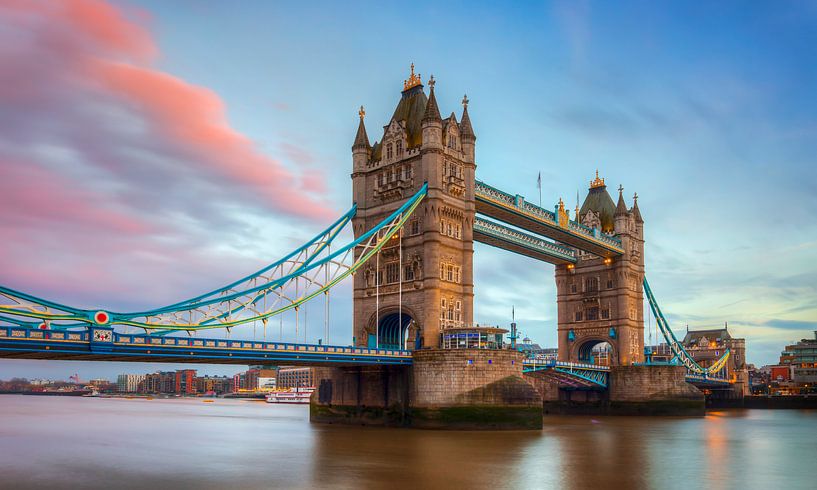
(58, 442)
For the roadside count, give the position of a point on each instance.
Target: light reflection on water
(184, 443)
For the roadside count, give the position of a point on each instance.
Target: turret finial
(465, 101)
(620, 189)
(431, 82)
(635, 197)
(361, 113)
(413, 80)
(597, 182)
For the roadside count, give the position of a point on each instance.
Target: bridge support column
(653, 390)
(472, 389)
(364, 395)
(444, 389)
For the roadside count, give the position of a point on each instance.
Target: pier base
(444, 389)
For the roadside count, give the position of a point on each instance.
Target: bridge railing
(564, 364)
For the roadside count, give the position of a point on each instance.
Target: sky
(152, 150)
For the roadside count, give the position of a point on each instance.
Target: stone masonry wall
(463, 377)
(653, 390)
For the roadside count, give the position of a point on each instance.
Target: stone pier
(444, 389)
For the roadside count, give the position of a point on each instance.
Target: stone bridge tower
(600, 299)
(435, 277)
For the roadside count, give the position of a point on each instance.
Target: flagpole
(539, 185)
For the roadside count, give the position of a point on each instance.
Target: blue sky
(708, 111)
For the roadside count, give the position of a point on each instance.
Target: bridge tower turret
(600, 299)
(423, 281)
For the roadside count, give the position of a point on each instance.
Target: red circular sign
(101, 317)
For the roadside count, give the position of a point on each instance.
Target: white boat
(296, 395)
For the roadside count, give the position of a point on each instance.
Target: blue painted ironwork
(525, 240)
(312, 269)
(676, 347)
(518, 205)
(97, 342)
(586, 374)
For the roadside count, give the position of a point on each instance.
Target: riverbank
(763, 402)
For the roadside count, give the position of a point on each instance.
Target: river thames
(66, 442)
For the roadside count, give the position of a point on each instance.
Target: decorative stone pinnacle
(361, 113)
(431, 82)
(635, 197)
(465, 101)
(620, 188)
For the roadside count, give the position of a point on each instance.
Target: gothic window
(609, 284)
(450, 230)
(578, 316)
(605, 313)
(399, 147)
(591, 284)
(380, 180)
(442, 227)
(442, 272)
(415, 227)
(452, 141)
(449, 273)
(379, 277)
(400, 173)
(392, 273)
(408, 171)
(573, 288)
(388, 151)
(457, 311)
(408, 273)
(593, 313)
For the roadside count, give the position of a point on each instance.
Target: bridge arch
(586, 350)
(389, 331)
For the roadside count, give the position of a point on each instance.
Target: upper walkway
(514, 210)
(506, 238)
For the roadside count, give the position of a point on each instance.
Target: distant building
(214, 384)
(185, 382)
(707, 346)
(802, 359)
(159, 382)
(295, 377)
(129, 383)
(250, 380)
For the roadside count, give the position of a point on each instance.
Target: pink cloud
(112, 172)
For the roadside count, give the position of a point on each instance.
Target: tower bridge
(418, 208)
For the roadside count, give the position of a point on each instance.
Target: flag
(539, 181)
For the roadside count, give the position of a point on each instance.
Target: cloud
(119, 179)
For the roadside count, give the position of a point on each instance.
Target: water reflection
(98, 443)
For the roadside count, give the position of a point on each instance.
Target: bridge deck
(515, 211)
(26, 343)
(506, 238)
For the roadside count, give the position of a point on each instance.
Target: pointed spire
(432, 111)
(621, 208)
(636, 211)
(466, 131)
(361, 139)
(576, 216)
